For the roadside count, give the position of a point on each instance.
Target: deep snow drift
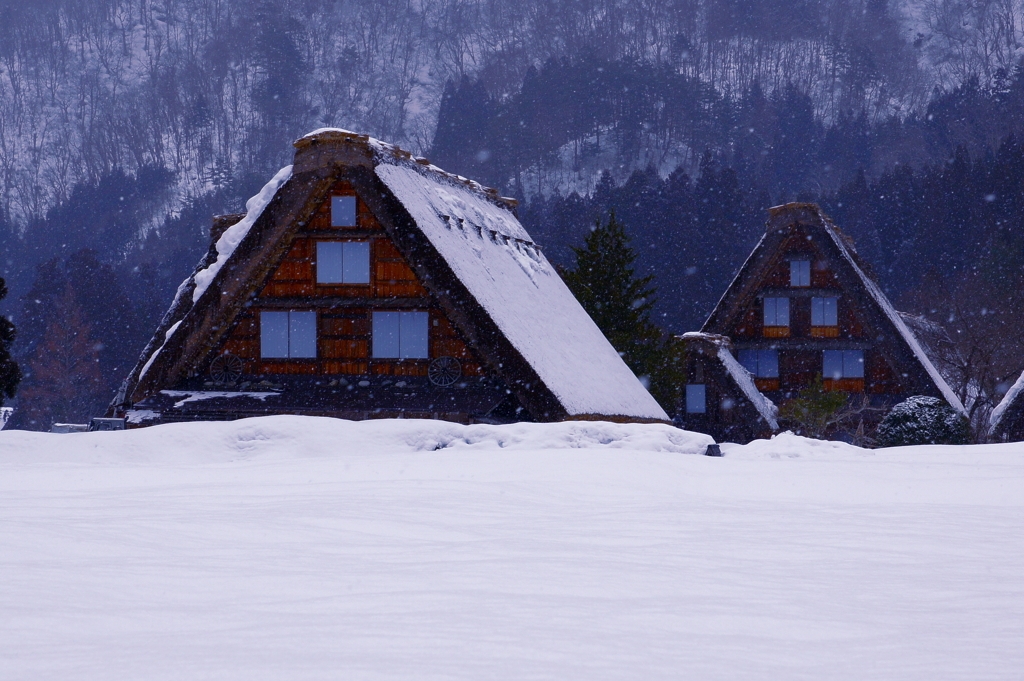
(300, 548)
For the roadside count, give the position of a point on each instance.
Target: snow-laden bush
(921, 420)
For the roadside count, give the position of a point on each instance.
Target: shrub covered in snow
(921, 420)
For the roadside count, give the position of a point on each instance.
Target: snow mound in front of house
(307, 436)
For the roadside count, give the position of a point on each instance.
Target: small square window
(343, 262)
(696, 402)
(343, 211)
(776, 311)
(400, 335)
(824, 312)
(799, 272)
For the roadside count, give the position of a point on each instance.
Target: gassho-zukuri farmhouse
(363, 282)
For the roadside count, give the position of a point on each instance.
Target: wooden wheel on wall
(226, 368)
(444, 371)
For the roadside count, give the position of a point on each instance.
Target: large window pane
(343, 211)
(824, 312)
(776, 311)
(273, 334)
(329, 262)
(696, 402)
(357, 262)
(414, 335)
(799, 272)
(832, 364)
(853, 363)
(768, 361)
(302, 334)
(386, 334)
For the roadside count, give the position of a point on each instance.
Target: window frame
(797, 267)
(774, 306)
(696, 398)
(292, 327)
(377, 323)
(336, 216)
(343, 243)
(765, 361)
(851, 363)
(820, 311)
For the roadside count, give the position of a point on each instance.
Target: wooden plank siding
(344, 311)
(800, 361)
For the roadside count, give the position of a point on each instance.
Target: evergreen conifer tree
(10, 374)
(619, 302)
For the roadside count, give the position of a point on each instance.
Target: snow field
(301, 548)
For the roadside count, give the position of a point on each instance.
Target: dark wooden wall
(344, 311)
(800, 345)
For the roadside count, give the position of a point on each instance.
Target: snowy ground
(295, 548)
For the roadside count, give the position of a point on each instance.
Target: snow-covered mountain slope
(300, 548)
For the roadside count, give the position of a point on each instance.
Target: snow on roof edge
(396, 153)
(152, 358)
(1011, 395)
(233, 235)
(512, 281)
(765, 407)
(743, 378)
(732, 282)
(894, 317)
(226, 245)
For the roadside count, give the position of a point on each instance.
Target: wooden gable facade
(804, 305)
(331, 297)
(719, 397)
(344, 311)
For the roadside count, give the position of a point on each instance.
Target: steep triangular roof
(878, 313)
(465, 245)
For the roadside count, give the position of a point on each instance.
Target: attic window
(762, 363)
(343, 211)
(838, 364)
(289, 334)
(400, 335)
(343, 262)
(799, 272)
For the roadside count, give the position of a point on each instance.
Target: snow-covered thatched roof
(468, 249)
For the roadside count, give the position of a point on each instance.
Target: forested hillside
(125, 125)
